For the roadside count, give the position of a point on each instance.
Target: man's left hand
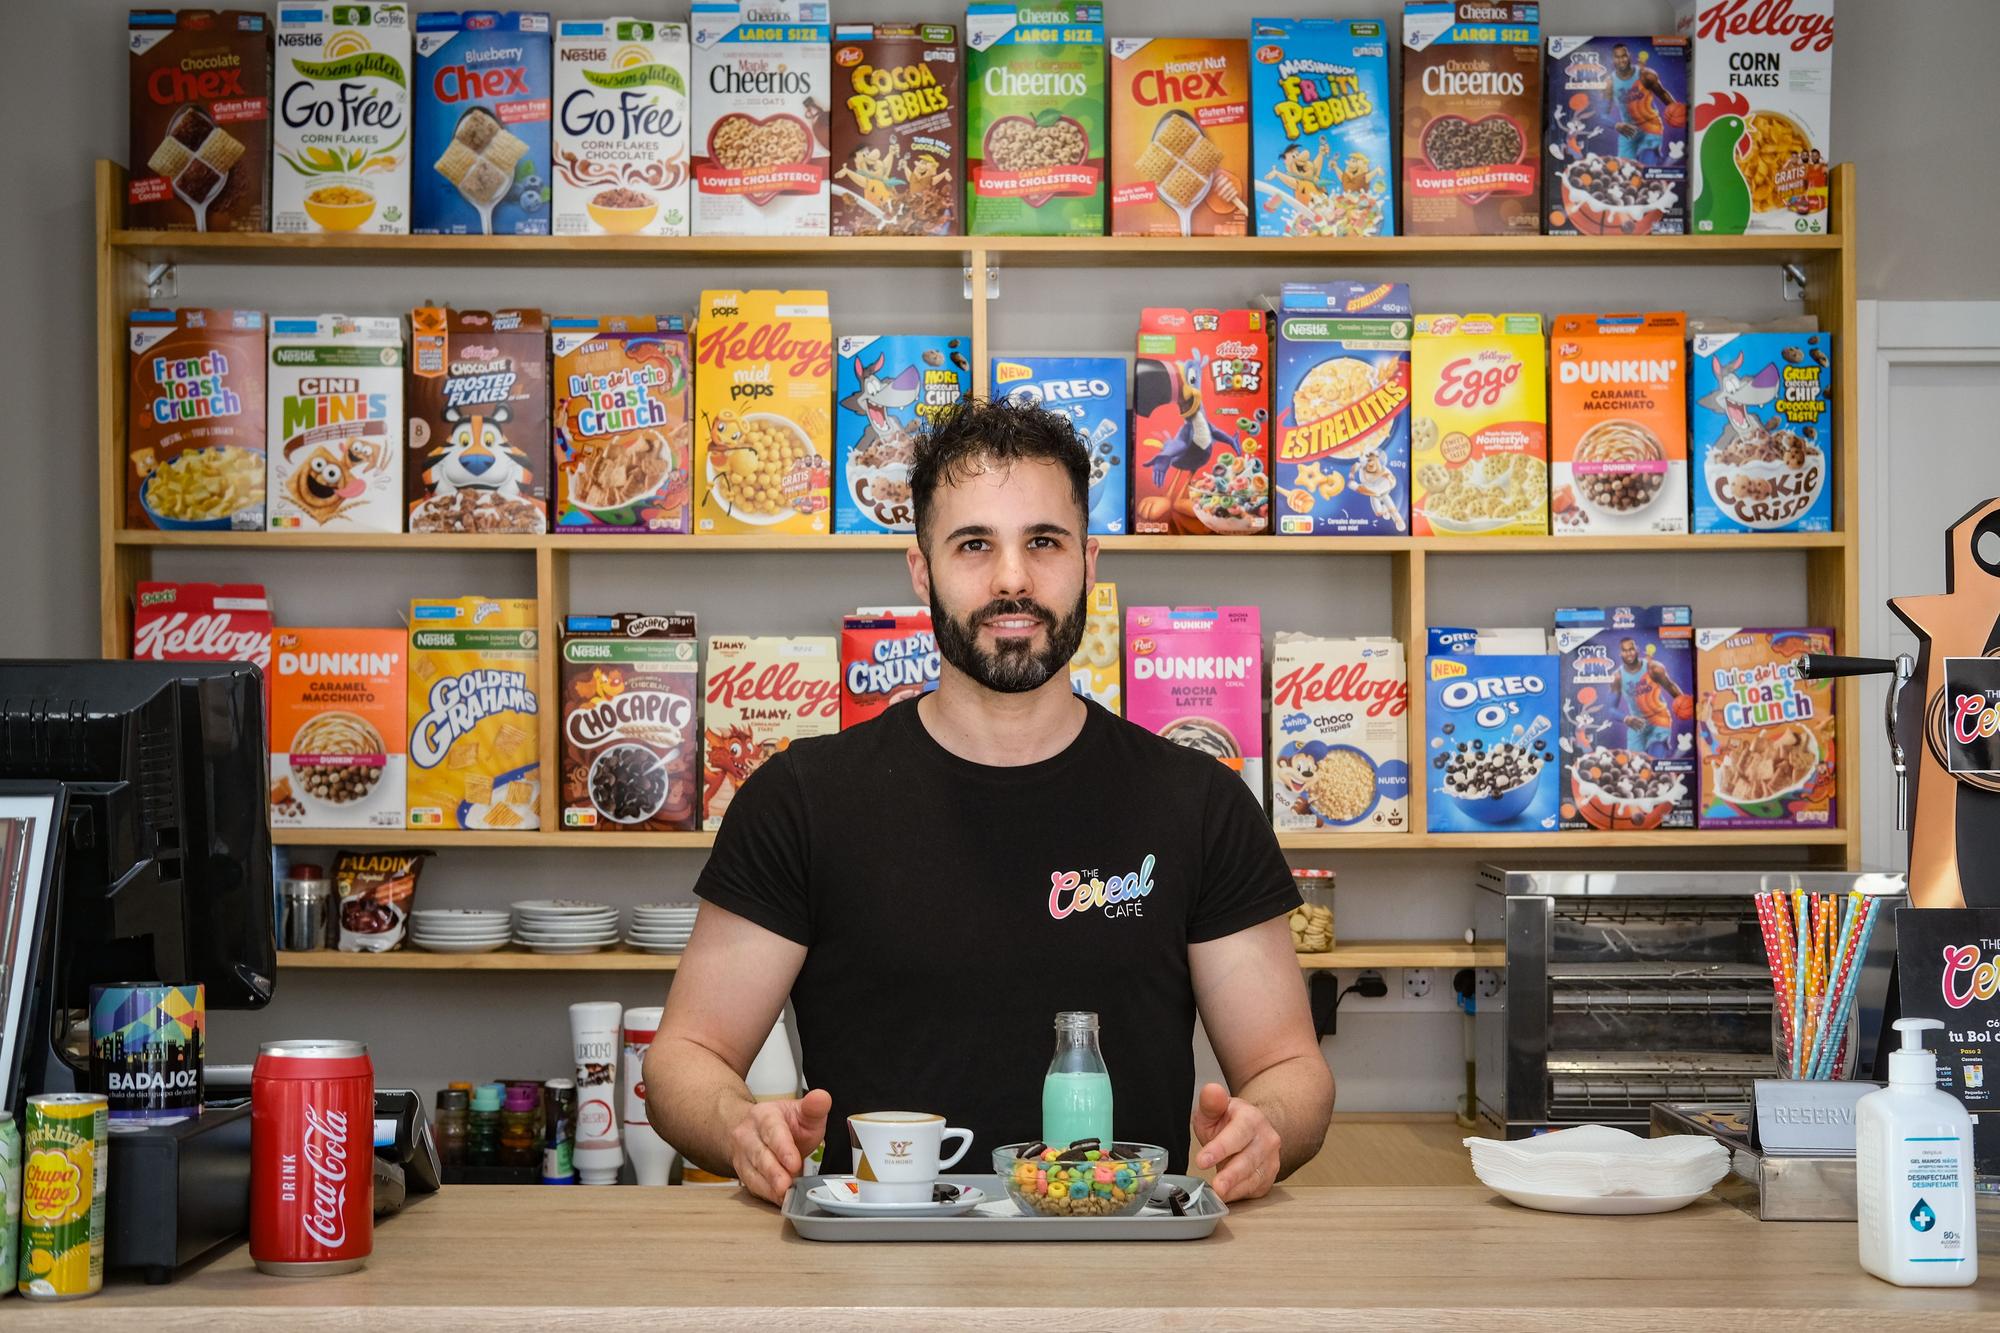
(1238, 1140)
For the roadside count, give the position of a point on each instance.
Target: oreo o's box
(484, 88)
(1090, 391)
(1490, 754)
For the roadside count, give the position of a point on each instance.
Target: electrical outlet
(1488, 982)
(1417, 982)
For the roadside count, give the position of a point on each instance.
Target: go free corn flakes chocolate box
(1319, 97)
(620, 135)
(1764, 733)
(1180, 136)
(1090, 391)
(1478, 426)
(1035, 121)
(763, 389)
(475, 754)
(195, 427)
(1341, 450)
(342, 129)
(1201, 415)
(482, 124)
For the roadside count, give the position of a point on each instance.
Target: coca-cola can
(312, 1158)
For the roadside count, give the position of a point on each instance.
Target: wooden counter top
(522, 1258)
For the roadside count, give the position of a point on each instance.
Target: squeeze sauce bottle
(1913, 1173)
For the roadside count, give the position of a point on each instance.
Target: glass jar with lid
(1312, 923)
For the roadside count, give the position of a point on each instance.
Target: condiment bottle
(518, 1143)
(482, 1137)
(1076, 1094)
(453, 1107)
(559, 1136)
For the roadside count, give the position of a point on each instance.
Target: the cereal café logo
(1076, 891)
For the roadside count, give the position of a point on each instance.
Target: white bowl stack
(563, 926)
(661, 927)
(1598, 1168)
(459, 929)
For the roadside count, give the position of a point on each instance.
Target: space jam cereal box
(1616, 127)
(341, 136)
(1618, 424)
(622, 400)
(1090, 391)
(1340, 454)
(482, 124)
(200, 108)
(1490, 743)
(888, 389)
(1201, 409)
(475, 754)
(1339, 749)
(335, 424)
(339, 704)
(1180, 136)
(762, 88)
(629, 723)
(1627, 717)
(1321, 160)
(1761, 431)
(620, 136)
(887, 655)
(764, 429)
(1035, 122)
(195, 424)
(760, 694)
(1093, 671)
(1764, 733)
(1195, 675)
(1478, 426)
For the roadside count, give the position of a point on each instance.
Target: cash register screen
(29, 814)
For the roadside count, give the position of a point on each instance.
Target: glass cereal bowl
(1049, 1182)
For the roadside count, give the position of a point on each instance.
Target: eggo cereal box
(335, 424)
(887, 655)
(888, 390)
(629, 722)
(898, 138)
(1201, 409)
(620, 134)
(1090, 391)
(1094, 671)
(1180, 136)
(1627, 717)
(195, 421)
(475, 753)
(760, 694)
(200, 113)
(1195, 675)
(1472, 118)
(1321, 154)
(1618, 424)
(1035, 122)
(1765, 734)
(1761, 431)
(1617, 136)
(482, 125)
(762, 88)
(764, 433)
(1340, 759)
(1340, 455)
(1490, 749)
(1478, 429)
(622, 399)
(339, 710)
(341, 135)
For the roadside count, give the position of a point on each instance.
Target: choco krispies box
(484, 86)
(1628, 717)
(1490, 742)
(1090, 391)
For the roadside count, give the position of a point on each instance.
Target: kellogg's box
(1035, 122)
(624, 432)
(478, 398)
(1340, 457)
(475, 752)
(1322, 162)
(1180, 136)
(335, 424)
(621, 128)
(1478, 429)
(888, 390)
(1628, 717)
(764, 436)
(1093, 671)
(203, 622)
(629, 723)
(1340, 758)
(1490, 743)
(1201, 410)
(898, 140)
(1090, 391)
(339, 727)
(761, 694)
(1764, 733)
(482, 133)
(1195, 675)
(887, 655)
(200, 118)
(343, 125)
(1761, 431)
(761, 136)
(1472, 118)
(195, 421)
(1618, 424)
(1617, 136)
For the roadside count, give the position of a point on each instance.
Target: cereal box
(1340, 759)
(1035, 124)
(342, 130)
(1618, 424)
(761, 694)
(1765, 735)
(1617, 136)
(339, 727)
(1472, 118)
(195, 421)
(1627, 717)
(629, 723)
(765, 433)
(482, 134)
(1093, 672)
(202, 622)
(1180, 136)
(1491, 744)
(1195, 675)
(1478, 430)
(335, 424)
(478, 398)
(475, 756)
(200, 120)
(623, 405)
(887, 655)
(1340, 458)
(1763, 99)
(1761, 431)
(1321, 153)
(620, 134)
(898, 107)
(1090, 391)
(888, 390)
(1201, 407)
(760, 127)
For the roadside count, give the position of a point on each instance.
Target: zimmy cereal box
(760, 130)
(1765, 735)
(478, 399)
(898, 108)
(624, 434)
(1180, 130)
(764, 434)
(342, 128)
(1763, 100)
(1090, 391)
(202, 622)
(1035, 124)
(1628, 717)
(1618, 424)
(1321, 156)
(760, 695)
(887, 655)
(1472, 118)
(1201, 408)
(1340, 458)
(629, 723)
(1478, 430)
(201, 120)
(195, 421)
(888, 390)
(1340, 759)
(339, 711)
(1195, 675)
(335, 424)
(482, 132)
(1617, 136)
(475, 758)
(1490, 750)
(1761, 431)
(1093, 672)
(620, 149)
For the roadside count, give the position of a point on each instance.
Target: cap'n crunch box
(1093, 672)
(1319, 98)
(1618, 424)
(1340, 458)
(1195, 675)
(763, 85)
(898, 145)
(622, 388)
(1201, 409)
(763, 391)
(761, 694)
(200, 115)
(1340, 758)
(1034, 129)
(887, 655)
(339, 714)
(1180, 136)
(475, 754)
(482, 124)
(1478, 429)
(629, 723)
(195, 422)
(1766, 735)
(335, 424)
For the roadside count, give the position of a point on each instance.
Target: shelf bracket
(1792, 281)
(992, 280)
(162, 283)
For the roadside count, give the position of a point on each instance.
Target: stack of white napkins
(1597, 1161)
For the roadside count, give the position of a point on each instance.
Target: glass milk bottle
(1076, 1095)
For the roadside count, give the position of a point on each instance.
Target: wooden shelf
(568, 840)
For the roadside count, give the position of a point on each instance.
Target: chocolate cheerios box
(1035, 120)
(761, 129)
(1472, 118)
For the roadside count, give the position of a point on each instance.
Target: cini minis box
(475, 757)
(629, 723)
(887, 655)
(342, 129)
(1765, 734)
(195, 421)
(620, 132)
(339, 727)
(482, 124)
(1093, 672)
(623, 391)
(1472, 118)
(1617, 136)
(760, 694)
(1478, 427)
(1180, 136)
(335, 424)
(1490, 743)
(888, 389)
(1340, 459)
(1201, 409)
(764, 436)
(1340, 759)
(1761, 430)
(1035, 122)
(478, 399)
(1618, 424)
(898, 141)
(760, 117)
(1195, 675)
(200, 119)
(1321, 162)
(1090, 391)
(1628, 717)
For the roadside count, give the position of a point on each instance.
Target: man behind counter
(895, 879)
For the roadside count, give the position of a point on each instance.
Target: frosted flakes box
(1472, 118)
(1627, 717)
(341, 136)
(1617, 136)
(1180, 136)
(1090, 391)
(760, 117)
(339, 727)
(1478, 426)
(1764, 733)
(1490, 744)
(763, 389)
(1093, 671)
(482, 124)
(888, 390)
(1195, 675)
(1340, 452)
(195, 429)
(1201, 417)
(898, 141)
(629, 723)
(1618, 424)
(1761, 431)
(475, 751)
(1322, 160)
(478, 440)
(1035, 122)
(620, 137)
(200, 116)
(1340, 759)
(335, 424)
(761, 693)
(623, 406)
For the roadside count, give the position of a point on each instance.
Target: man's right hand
(768, 1146)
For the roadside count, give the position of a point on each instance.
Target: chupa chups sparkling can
(146, 1051)
(312, 1145)
(62, 1196)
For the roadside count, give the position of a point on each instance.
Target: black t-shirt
(940, 946)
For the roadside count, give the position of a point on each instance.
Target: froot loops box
(1195, 675)
(1090, 391)
(475, 752)
(1490, 755)
(1340, 456)
(1201, 419)
(1319, 104)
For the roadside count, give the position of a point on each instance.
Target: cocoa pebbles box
(898, 134)
(201, 120)
(478, 399)
(760, 138)
(1472, 118)
(1035, 120)
(761, 693)
(629, 723)
(887, 655)
(1195, 675)
(482, 124)
(195, 429)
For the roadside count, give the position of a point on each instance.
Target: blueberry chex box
(1490, 751)
(887, 390)
(484, 87)
(1090, 391)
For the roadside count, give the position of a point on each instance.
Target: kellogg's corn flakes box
(1340, 459)
(475, 752)
(1034, 131)
(1479, 429)
(1090, 391)
(1201, 417)
(1319, 101)
(341, 136)
(763, 434)
(1180, 135)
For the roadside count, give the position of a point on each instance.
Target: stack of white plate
(661, 927)
(561, 926)
(459, 929)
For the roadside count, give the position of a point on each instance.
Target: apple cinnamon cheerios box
(341, 135)
(762, 87)
(620, 136)
(335, 424)
(475, 752)
(1195, 675)
(1340, 759)
(339, 708)
(761, 693)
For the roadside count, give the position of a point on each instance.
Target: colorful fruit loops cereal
(1082, 1182)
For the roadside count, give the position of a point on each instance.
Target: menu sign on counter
(1948, 960)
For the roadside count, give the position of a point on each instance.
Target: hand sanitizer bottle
(1913, 1173)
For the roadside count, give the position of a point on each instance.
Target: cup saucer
(836, 1194)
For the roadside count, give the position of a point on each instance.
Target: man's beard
(1015, 668)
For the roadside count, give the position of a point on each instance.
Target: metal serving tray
(814, 1224)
